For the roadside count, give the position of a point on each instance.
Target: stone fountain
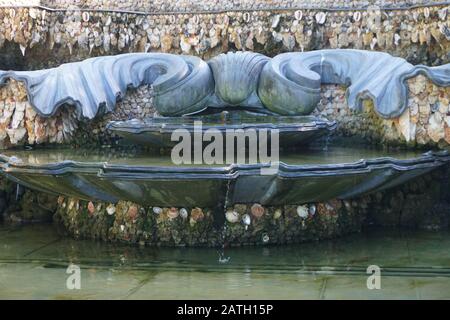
(238, 91)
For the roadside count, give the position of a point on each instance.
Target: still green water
(308, 156)
(414, 265)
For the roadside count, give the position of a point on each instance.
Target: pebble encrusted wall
(426, 121)
(32, 38)
(20, 125)
(217, 5)
(419, 203)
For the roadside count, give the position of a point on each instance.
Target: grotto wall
(43, 37)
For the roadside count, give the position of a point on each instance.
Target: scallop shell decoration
(287, 84)
(183, 213)
(236, 76)
(321, 17)
(232, 216)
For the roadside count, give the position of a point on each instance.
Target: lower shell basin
(312, 176)
(157, 132)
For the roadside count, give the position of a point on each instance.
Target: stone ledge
(165, 6)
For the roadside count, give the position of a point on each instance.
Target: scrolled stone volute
(287, 87)
(189, 93)
(288, 84)
(182, 84)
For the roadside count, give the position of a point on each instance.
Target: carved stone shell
(236, 77)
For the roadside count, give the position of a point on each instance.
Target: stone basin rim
(104, 169)
(140, 126)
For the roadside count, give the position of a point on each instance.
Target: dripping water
(223, 235)
(327, 141)
(17, 191)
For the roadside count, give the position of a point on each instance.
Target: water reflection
(414, 265)
(137, 157)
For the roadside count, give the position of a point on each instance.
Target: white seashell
(373, 43)
(106, 42)
(312, 209)
(232, 216)
(275, 21)
(85, 16)
(277, 214)
(347, 204)
(122, 228)
(139, 20)
(415, 16)
(183, 213)
(426, 12)
(298, 15)
(442, 14)
(302, 211)
(321, 17)
(12, 13)
(277, 37)
(108, 21)
(157, 210)
(246, 17)
(246, 219)
(111, 209)
(32, 13)
(196, 19)
(226, 19)
(356, 16)
(265, 238)
(22, 49)
(397, 39)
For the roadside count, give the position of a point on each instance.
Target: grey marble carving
(180, 83)
(288, 84)
(236, 79)
(368, 74)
